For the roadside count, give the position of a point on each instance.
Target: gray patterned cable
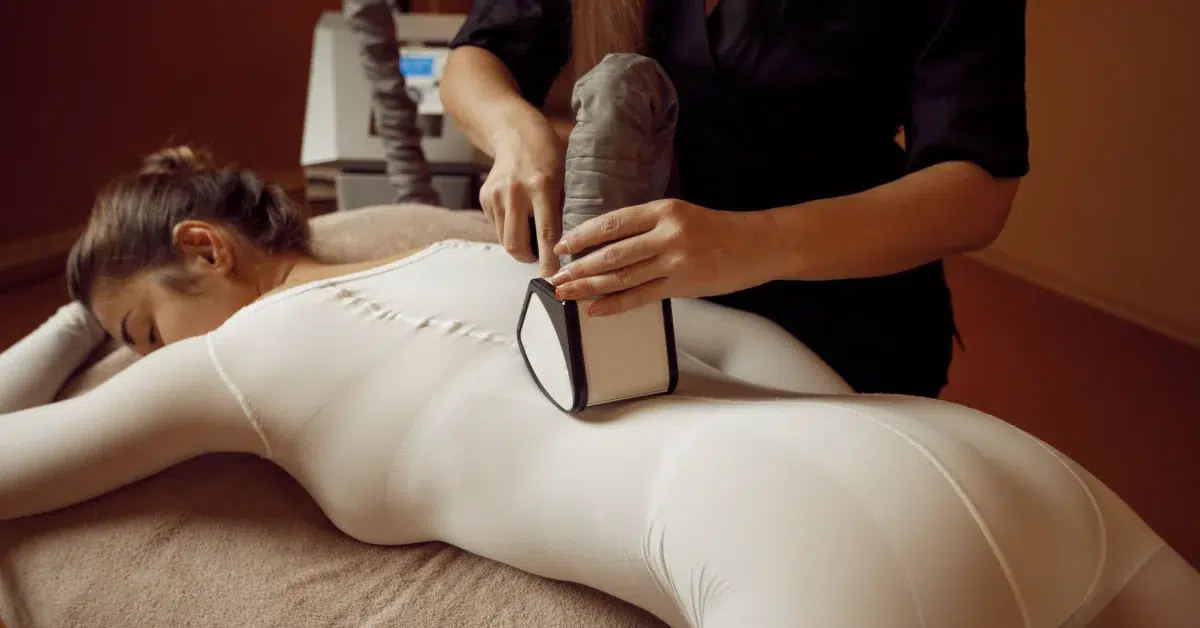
(621, 151)
(395, 113)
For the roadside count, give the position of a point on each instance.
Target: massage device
(619, 154)
(581, 361)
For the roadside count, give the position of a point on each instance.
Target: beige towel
(233, 541)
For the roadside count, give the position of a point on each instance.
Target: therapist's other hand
(660, 250)
(526, 181)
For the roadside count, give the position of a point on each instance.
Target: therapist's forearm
(930, 214)
(482, 97)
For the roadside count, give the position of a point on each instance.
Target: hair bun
(175, 160)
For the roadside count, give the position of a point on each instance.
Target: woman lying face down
(175, 249)
(397, 398)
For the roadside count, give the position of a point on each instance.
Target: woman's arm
(34, 369)
(942, 210)
(484, 99)
(967, 142)
(502, 66)
(525, 180)
(524, 186)
(166, 408)
(967, 146)
(112, 360)
(751, 348)
(691, 251)
(506, 58)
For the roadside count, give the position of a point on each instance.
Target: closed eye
(125, 330)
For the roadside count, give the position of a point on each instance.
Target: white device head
(580, 361)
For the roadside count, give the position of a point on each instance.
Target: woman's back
(340, 375)
(397, 396)
(402, 381)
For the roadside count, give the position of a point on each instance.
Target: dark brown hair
(131, 228)
(600, 27)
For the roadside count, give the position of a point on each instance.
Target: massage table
(231, 540)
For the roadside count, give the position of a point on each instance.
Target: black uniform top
(786, 101)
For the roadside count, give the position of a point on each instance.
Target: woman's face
(215, 275)
(148, 311)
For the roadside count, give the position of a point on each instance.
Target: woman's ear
(204, 249)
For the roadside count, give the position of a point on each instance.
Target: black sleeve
(531, 37)
(967, 89)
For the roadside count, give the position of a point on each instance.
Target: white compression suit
(398, 398)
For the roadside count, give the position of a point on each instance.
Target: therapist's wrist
(771, 245)
(518, 123)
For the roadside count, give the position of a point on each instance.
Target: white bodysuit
(398, 398)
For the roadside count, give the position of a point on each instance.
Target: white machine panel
(338, 120)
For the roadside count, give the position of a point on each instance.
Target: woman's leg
(33, 370)
(1144, 582)
(1164, 593)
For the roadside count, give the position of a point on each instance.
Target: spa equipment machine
(342, 153)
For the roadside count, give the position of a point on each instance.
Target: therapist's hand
(664, 249)
(526, 181)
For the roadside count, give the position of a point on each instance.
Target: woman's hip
(846, 513)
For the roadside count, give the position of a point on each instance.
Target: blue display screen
(416, 67)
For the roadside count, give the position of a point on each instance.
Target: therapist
(795, 201)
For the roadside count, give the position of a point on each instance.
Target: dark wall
(89, 86)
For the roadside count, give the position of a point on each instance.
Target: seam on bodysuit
(966, 500)
(243, 401)
(383, 312)
(362, 274)
(1160, 546)
(1103, 562)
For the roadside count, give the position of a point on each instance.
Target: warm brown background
(1108, 215)
(91, 85)
(1111, 211)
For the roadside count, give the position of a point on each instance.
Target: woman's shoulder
(455, 261)
(331, 273)
(313, 332)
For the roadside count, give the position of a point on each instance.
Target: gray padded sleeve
(621, 151)
(395, 113)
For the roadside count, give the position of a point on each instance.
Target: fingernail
(598, 309)
(562, 248)
(560, 277)
(564, 293)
